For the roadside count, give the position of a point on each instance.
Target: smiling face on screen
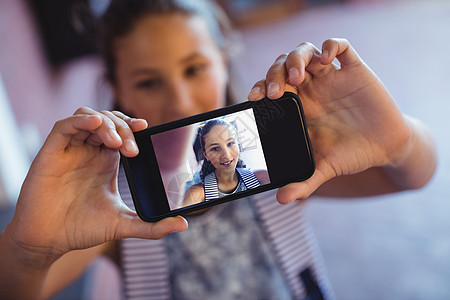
(222, 148)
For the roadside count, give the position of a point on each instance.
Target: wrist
(22, 271)
(24, 256)
(414, 162)
(404, 145)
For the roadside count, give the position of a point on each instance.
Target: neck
(227, 179)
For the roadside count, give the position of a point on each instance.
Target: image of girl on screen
(223, 172)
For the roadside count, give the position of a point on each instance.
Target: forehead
(158, 39)
(219, 133)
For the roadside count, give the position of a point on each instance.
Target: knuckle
(282, 56)
(260, 83)
(276, 66)
(82, 110)
(121, 115)
(280, 60)
(58, 124)
(305, 45)
(122, 126)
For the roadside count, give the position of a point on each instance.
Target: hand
(353, 122)
(70, 198)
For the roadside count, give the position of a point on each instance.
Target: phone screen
(219, 156)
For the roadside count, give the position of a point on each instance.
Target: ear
(204, 155)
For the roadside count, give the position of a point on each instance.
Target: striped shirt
(247, 180)
(146, 268)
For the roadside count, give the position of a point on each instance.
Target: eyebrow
(143, 71)
(191, 57)
(147, 70)
(213, 144)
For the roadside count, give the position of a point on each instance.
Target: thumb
(131, 226)
(300, 190)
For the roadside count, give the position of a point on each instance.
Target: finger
(73, 127)
(129, 147)
(85, 136)
(304, 60)
(131, 226)
(301, 190)
(135, 124)
(80, 138)
(340, 49)
(276, 78)
(297, 61)
(290, 88)
(106, 133)
(258, 91)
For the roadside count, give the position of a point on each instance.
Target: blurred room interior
(389, 247)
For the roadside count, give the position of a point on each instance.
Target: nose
(180, 103)
(226, 153)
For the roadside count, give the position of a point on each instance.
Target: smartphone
(218, 156)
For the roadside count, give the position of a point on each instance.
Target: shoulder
(262, 176)
(195, 189)
(194, 194)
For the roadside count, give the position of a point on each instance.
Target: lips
(227, 163)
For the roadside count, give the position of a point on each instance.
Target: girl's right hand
(70, 198)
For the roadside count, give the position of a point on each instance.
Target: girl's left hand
(353, 122)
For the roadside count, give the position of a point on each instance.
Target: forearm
(414, 169)
(22, 275)
(410, 168)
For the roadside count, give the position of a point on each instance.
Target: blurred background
(390, 247)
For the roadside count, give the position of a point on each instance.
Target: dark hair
(207, 166)
(121, 16)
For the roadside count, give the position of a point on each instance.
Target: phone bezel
(206, 116)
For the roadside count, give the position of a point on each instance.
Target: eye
(194, 70)
(151, 83)
(214, 149)
(231, 144)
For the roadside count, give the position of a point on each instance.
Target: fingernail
(130, 146)
(325, 54)
(273, 89)
(254, 93)
(293, 74)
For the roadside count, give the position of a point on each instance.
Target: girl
(223, 172)
(166, 60)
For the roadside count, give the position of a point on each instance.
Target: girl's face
(169, 67)
(221, 148)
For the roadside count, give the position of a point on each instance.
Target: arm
(70, 267)
(362, 143)
(44, 280)
(262, 176)
(70, 201)
(194, 194)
